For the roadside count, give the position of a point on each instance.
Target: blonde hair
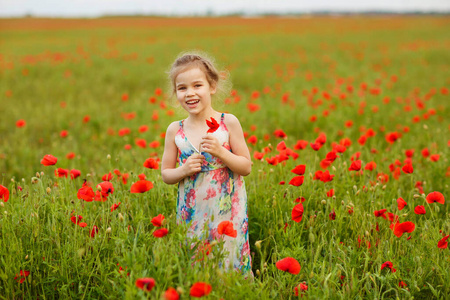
(195, 59)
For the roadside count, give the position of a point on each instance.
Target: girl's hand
(193, 164)
(211, 145)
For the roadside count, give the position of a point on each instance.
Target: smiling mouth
(192, 102)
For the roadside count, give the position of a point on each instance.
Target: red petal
(289, 264)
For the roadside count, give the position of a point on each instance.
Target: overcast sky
(94, 8)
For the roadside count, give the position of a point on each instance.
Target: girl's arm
(237, 161)
(169, 172)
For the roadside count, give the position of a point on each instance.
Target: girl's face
(194, 91)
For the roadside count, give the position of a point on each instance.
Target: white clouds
(93, 8)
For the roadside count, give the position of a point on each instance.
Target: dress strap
(222, 117)
(181, 123)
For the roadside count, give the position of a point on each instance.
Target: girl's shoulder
(230, 120)
(173, 128)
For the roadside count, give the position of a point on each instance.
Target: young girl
(211, 167)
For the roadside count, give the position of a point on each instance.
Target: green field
(378, 85)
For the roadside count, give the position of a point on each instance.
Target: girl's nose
(190, 92)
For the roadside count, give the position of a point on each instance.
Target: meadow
(346, 119)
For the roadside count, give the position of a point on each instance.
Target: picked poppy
(145, 284)
(297, 212)
(4, 193)
(435, 197)
(49, 160)
(213, 125)
(157, 221)
(226, 227)
(141, 186)
(289, 264)
(200, 289)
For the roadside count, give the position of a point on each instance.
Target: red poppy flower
(297, 213)
(106, 187)
(288, 264)
(400, 228)
(107, 177)
(380, 213)
(94, 231)
(408, 168)
(115, 206)
(49, 160)
(20, 123)
(302, 287)
(315, 146)
(279, 133)
(157, 221)
(171, 294)
(330, 193)
(370, 166)
(402, 284)
(434, 157)
(409, 153)
(226, 227)
(401, 203)
(300, 145)
(4, 193)
(145, 284)
(392, 137)
(86, 193)
(70, 155)
(389, 265)
(252, 140)
(331, 156)
(443, 244)
(63, 133)
(435, 197)
(200, 289)
(22, 276)
(252, 107)
(151, 163)
(420, 210)
(213, 125)
(326, 176)
(61, 172)
(299, 170)
(160, 232)
(281, 146)
(154, 144)
(355, 166)
(142, 143)
(76, 220)
(74, 173)
(332, 215)
(297, 180)
(272, 160)
(258, 155)
(141, 186)
(143, 128)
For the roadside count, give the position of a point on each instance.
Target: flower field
(346, 118)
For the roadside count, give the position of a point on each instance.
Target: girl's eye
(181, 88)
(198, 85)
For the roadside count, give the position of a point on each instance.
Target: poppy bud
(312, 237)
(38, 175)
(42, 173)
(213, 243)
(26, 257)
(384, 187)
(274, 203)
(88, 175)
(108, 157)
(99, 188)
(258, 244)
(265, 265)
(1, 204)
(311, 275)
(23, 179)
(416, 196)
(48, 190)
(344, 164)
(367, 233)
(180, 290)
(108, 230)
(333, 168)
(81, 252)
(120, 217)
(324, 202)
(357, 193)
(311, 176)
(34, 180)
(258, 273)
(425, 126)
(342, 202)
(404, 215)
(355, 188)
(5, 212)
(12, 179)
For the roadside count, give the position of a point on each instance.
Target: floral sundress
(213, 195)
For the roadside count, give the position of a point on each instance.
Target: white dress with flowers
(213, 195)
